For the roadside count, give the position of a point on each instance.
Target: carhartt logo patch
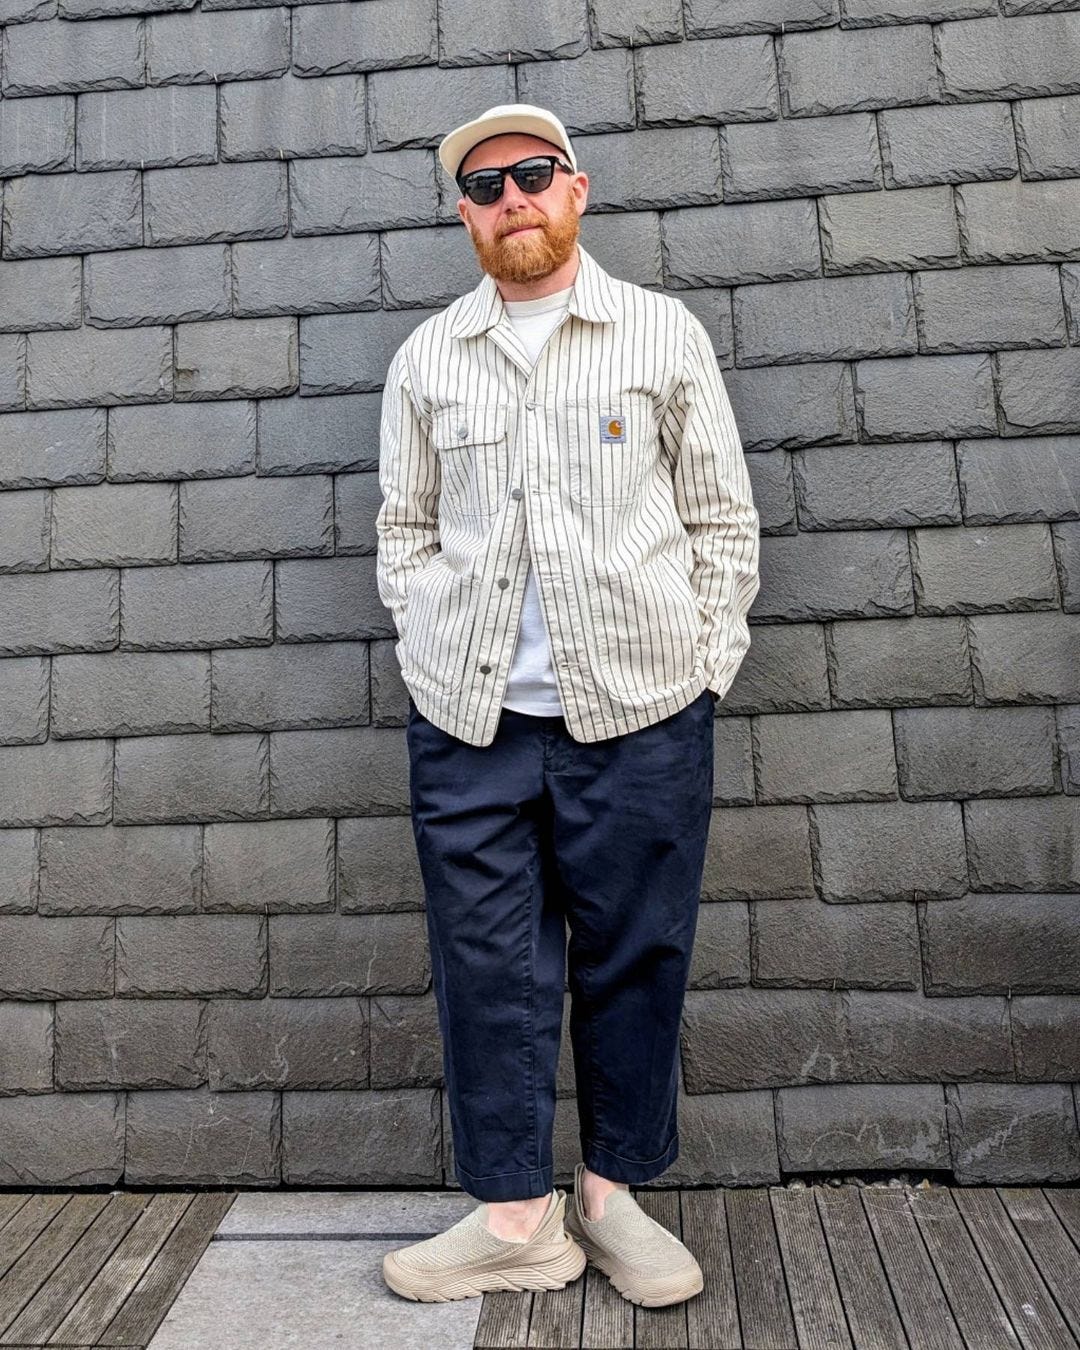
(612, 429)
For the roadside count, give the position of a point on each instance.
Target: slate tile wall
(218, 222)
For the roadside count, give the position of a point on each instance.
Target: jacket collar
(592, 297)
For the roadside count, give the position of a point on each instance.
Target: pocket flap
(468, 424)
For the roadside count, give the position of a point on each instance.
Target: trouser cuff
(617, 1168)
(507, 1185)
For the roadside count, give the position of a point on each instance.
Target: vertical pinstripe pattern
(645, 549)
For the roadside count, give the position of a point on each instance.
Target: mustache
(517, 225)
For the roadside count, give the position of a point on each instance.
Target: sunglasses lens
(533, 175)
(483, 188)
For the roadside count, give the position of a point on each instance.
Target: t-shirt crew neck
(539, 304)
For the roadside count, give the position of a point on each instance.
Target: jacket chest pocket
(611, 446)
(471, 442)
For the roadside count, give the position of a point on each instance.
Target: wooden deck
(88, 1269)
(835, 1268)
(814, 1268)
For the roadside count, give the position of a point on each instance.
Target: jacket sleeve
(715, 502)
(406, 524)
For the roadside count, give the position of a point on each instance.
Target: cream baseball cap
(522, 117)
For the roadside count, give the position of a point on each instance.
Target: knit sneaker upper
(464, 1243)
(635, 1237)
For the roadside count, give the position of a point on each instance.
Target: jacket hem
(440, 712)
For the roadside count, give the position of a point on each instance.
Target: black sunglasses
(484, 186)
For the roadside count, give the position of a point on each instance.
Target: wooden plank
(1049, 1246)
(556, 1316)
(764, 1307)
(40, 1259)
(983, 1322)
(187, 1236)
(661, 1328)
(864, 1287)
(815, 1300)
(504, 1320)
(1027, 1300)
(10, 1202)
(1066, 1205)
(607, 1321)
(920, 1299)
(26, 1225)
(713, 1315)
(70, 1278)
(106, 1292)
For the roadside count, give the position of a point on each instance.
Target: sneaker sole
(432, 1287)
(657, 1293)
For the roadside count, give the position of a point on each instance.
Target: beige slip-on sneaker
(469, 1259)
(645, 1263)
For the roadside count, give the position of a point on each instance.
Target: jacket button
(462, 432)
(484, 670)
(516, 493)
(504, 582)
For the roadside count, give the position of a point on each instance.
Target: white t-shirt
(531, 686)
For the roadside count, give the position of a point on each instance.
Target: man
(568, 545)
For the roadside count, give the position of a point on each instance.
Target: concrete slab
(333, 1212)
(302, 1270)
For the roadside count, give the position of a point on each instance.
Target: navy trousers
(518, 841)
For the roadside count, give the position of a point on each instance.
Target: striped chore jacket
(614, 465)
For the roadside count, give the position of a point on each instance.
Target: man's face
(523, 236)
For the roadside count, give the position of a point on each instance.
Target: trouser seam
(498, 1176)
(530, 1017)
(635, 1162)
